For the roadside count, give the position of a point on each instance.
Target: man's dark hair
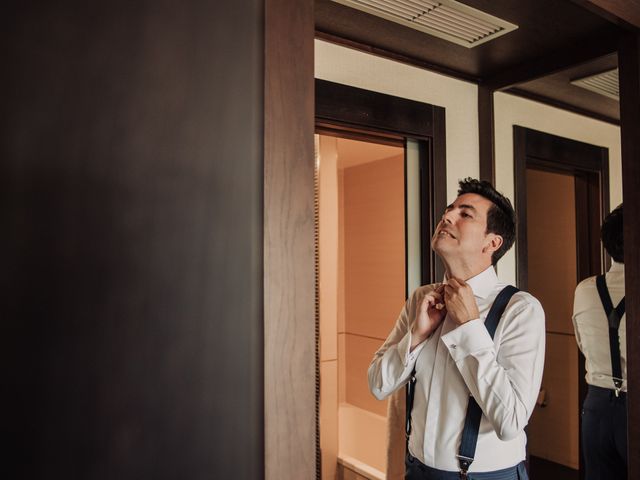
(611, 234)
(501, 218)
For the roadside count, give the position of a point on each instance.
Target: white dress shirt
(502, 374)
(592, 328)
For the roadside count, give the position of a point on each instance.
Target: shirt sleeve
(504, 376)
(393, 363)
(578, 308)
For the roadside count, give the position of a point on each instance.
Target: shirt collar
(616, 267)
(482, 284)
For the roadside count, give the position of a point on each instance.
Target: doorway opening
(361, 190)
(377, 199)
(561, 197)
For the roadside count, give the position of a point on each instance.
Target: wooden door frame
(547, 152)
(544, 151)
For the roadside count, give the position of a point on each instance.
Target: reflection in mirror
(600, 326)
(563, 188)
(553, 430)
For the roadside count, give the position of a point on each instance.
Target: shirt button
(453, 346)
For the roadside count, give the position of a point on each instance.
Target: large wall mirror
(546, 123)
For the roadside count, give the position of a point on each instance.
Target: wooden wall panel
(552, 279)
(374, 246)
(553, 430)
(359, 351)
(289, 288)
(630, 132)
(552, 246)
(131, 200)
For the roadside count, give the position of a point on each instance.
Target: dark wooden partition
(131, 172)
(630, 131)
(289, 280)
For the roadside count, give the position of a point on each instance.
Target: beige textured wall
(551, 241)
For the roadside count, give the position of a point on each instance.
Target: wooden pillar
(486, 138)
(629, 64)
(289, 283)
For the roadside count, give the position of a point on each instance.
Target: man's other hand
(431, 313)
(460, 301)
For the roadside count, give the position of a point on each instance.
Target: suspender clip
(465, 463)
(618, 385)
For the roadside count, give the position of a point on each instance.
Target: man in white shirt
(441, 334)
(604, 415)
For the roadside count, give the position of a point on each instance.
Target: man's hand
(461, 304)
(431, 313)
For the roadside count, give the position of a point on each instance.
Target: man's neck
(462, 270)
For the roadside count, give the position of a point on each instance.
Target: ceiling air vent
(446, 19)
(605, 83)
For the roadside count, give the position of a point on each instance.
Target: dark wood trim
(351, 107)
(561, 105)
(486, 134)
(439, 184)
(560, 59)
(559, 153)
(520, 195)
(398, 57)
(289, 281)
(432, 205)
(433, 197)
(351, 133)
(427, 213)
(619, 12)
(629, 64)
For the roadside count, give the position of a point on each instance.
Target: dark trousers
(604, 434)
(416, 470)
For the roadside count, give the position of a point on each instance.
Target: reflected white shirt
(502, 374)
(592, 328)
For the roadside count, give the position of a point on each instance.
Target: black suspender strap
(411, 391)
(469, 439)
(614, 315)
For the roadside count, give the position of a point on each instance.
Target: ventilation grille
(605, 83)
(446, 19)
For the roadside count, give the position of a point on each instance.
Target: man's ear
(493, 242)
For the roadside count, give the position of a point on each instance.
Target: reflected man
(600, 325)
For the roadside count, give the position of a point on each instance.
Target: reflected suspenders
(469, 440)
(614, 316)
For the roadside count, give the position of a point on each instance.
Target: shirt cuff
(404, 346)
(467, 339)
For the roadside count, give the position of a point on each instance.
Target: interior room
(554, 428)
(214, 212)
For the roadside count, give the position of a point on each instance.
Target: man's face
(462, 229)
